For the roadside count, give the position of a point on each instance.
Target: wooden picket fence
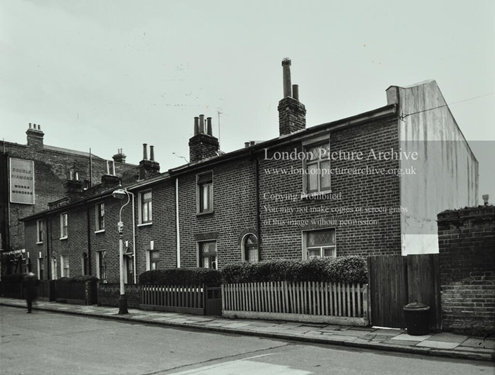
(199, 300)
(321, 302)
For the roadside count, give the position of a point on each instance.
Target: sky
(107, 75)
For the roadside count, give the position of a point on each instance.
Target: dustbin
(417, 318)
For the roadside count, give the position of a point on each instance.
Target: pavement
(441, 344)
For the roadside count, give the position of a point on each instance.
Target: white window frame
(54, 269)
(200, 186)
(244, 255)
(140, 208)
(64, 260)
(40, 230)
(199, 252)
(98, 225)
(310, 143)
(150, 261)
(305, 248)
(101, 254)
(63, 235)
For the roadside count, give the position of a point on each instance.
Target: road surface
(50, 343)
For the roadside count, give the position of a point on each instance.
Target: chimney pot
(39, 127)
(29, 125)
(295, 92)
(152, 153)
(145, 151)
(210, 129)
(201, 124)
(196, 125)
(246, 144)
(286, 63)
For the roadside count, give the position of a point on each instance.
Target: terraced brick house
(370, 184)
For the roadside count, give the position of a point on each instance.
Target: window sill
(206, 213)
(316, 194)
(63, 238)
(39, 243)
(144, 224)
(100, 231)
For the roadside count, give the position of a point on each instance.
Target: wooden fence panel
(388, 287)
(424, 284)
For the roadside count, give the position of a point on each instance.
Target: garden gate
(398, 280)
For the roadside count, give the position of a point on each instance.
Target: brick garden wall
(467, 270)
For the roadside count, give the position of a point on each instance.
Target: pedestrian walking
(30, 284)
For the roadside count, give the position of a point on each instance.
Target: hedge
(182, 277)
(351, 269)
(78, 278)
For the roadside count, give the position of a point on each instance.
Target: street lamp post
(121, 194)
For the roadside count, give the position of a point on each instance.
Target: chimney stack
(148, 168)
(35, 136)
(291, 112)
(203, 144)
(119, 157)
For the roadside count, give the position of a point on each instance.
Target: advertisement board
(21, 181)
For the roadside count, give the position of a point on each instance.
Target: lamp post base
(123, 305)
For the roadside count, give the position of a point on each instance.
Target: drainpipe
(258, 212)
(89, 238)
(134, 239)
(177, 229)
(48, 255)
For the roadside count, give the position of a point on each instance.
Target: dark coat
(30, 285)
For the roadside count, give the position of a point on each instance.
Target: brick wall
(161, 231)
(234, 203)
(467, 270)
(284, 221)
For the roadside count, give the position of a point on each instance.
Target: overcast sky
(115, 74)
